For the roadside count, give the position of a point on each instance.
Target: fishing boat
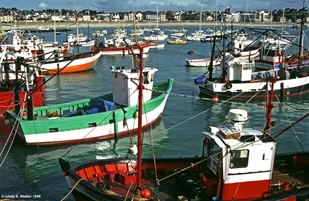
(274, 55)
(177, 41)
(203, 62)
(52, 59)
(104, 117)
(20, 81)
(237, 163)
(70, 63)
(239, 48)
(241, 79)
(79, 40)
(21, 86)
(118, 49)
(157, 45)
(100, 32)
(156, 33)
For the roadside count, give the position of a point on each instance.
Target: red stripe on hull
(246, 190)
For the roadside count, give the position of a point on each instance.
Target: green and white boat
(104, 117)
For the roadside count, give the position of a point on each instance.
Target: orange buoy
(145, 193)
(24, 113)
(190, 52)
(215, 99)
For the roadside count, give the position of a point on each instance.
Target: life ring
(228, 85)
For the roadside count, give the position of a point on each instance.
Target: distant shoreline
(34, 25)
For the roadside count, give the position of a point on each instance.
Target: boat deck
(287, 180)
(290, 179)
(168, 189)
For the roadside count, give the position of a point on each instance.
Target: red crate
(126, 179)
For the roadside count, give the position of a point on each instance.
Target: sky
(148, 5)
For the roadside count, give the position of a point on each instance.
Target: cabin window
(239, 158)
(152, 78)
(215, 150)
(247, 66)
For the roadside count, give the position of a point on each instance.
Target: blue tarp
(102, 105)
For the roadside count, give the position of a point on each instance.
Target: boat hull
(286, 88)
(179, 42)
(125, 50)
(202, 62)
(72, 64)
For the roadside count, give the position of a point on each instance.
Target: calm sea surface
(35, 171)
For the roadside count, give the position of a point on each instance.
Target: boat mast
(210, 67)
(269, 106)
(140, 129)
(157, 23)
(77, 38)
(55, 40)
(223, 62)
(282, 21)
(301, 39)
(200, 27)
(18, 63)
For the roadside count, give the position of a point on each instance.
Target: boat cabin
(240, 159)
(125, 83)
(239, 71)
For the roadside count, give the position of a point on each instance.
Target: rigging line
(152, 147)
(292, 105)
(294, 131)
(176, 125)
(73, 58)
(186, 168)
(291, 125)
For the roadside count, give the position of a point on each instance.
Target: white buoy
(133, 149)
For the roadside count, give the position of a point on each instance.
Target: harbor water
(30, 173)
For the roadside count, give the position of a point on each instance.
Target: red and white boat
(16, 84)
(274, 57)
(71, 63)
(239, 49)
(19, 88)
(237, 163)
(52, 59)
(124, 49)
(240, 79)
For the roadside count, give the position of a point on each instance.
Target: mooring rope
(72, 189)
